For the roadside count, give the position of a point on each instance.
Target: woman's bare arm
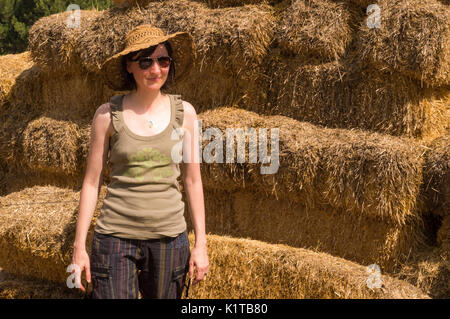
(193, 186)
(98, 153)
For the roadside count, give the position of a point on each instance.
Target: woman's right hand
(81, 259)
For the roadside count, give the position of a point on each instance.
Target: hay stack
(429, 270)
(11, 66)
(210, 3)
(355, 170)
(53, 43)
(17, 287)
(414, 39)
(443, 235)
(60, 96)
(349, 193)
(45, 252)
(279, 272)
(231, 43)
(51, 145)
(436, 186)
(339, 95)
(38, 230)
(323, 228)
(316, 28)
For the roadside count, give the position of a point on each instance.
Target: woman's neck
(144, 101)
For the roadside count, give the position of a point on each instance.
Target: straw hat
(145, 36)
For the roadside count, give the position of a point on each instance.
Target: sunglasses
(145, 63)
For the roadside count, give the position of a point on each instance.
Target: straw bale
(358, 171)
(17, 178)
(20, 287)
(210, 3)
(280, 272)
(231, 43)
(59, 95)
(53, 43)
(51, 145)
(38, 230)
(360, 239)
(340, 95)
(414, 39)
(436, 185)
(429, 270)
(11, 66)
(443, 235)
(316, 28)
(29, 249)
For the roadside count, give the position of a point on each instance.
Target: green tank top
(143, 199)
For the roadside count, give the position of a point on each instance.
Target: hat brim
(183, 56)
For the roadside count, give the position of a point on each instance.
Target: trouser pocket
(102, 285)
(178, 280)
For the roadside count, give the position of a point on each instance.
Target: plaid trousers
(121, 268)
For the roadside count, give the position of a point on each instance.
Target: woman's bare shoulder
(190, 115)
(102, 118)
(188, 108)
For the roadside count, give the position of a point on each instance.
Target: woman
(140, 239)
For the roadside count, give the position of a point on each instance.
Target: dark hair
(131, 82)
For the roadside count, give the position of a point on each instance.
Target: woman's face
(152, 78)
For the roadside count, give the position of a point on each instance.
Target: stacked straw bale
(53, 43)
(414, 39)
(316, 28)
(429, 270)
(38, 230)
(362, 179)
(230, 42)
(45, 252)
(238, 62)
(337, 95)
(350, 193)
(11, 66)
(18, 287)
(286, 272)
(436, 186)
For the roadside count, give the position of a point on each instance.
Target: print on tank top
(148, 159)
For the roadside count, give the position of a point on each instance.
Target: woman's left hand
(199, 260)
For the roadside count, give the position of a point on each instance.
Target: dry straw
(243, 268)
(414, 39)
(20, 287)
(53, 42)
(11, 66)
(359, 171)
(59, 95)
(38, 231)
(436, 186)
(316, 28)
(231, 43)
(429, 270)
(38, 228)
(210, 3)
(361, 239)
(339, 94)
